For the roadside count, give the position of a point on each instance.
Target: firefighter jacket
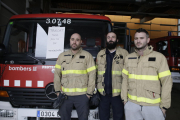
(75, 73)
(147, 79)
(117, 66)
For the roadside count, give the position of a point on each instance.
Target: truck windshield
(32, 35)
(175, 47)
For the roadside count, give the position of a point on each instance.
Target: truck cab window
(175, 47)
(18, 40)
(162, 47)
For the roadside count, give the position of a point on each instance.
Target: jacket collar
(107, 51)
(79, 51)
(147, 51)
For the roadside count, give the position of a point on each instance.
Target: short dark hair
(142, 30)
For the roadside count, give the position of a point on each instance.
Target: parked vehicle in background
(30, 48)
(169, 46)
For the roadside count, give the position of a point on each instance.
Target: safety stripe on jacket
(147, 77)
(143, 77)
(165, 73)
(57, 66)
(101, 72)
(74, 89)
(125, 72)
(78, 71)
(116, 72)
(143, 99)
(114, 90)
(74, 72)
(113, 72)
(91, 68)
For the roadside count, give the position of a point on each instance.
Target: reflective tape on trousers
(74, 89)
(143, 99)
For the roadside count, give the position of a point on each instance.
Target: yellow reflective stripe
(101, 72)
(96, 66)
(143, 77)
(74, 89)
(116, 72)
(165, 73)
(100, 90)
(74, 72)
(125, 72)
(143, 99)
(116, 90)
(91, 68)
(57, 66)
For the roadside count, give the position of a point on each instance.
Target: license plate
(49, 114)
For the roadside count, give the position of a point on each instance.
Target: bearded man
(110, 64)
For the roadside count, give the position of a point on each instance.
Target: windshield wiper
(41, 61)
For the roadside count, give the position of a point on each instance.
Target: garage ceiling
(145, 10)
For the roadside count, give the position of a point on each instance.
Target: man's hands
(164, 111)
(88, 96)
(57, 94)
(125, 102)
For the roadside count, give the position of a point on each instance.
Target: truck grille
(29, 97)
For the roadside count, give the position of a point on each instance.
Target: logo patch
(152, 59)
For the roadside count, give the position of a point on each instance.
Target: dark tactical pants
(81, 103)
(117, 107)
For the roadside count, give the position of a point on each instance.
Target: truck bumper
(176, 77)
(7, 112)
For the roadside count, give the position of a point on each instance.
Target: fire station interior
(161, 18)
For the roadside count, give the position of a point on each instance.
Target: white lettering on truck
(22, 68)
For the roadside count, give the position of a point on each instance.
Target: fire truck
(28, 56)
(169, 46)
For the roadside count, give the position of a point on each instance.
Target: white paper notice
(41, 42)
(55, 42)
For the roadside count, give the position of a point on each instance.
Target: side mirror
(2, 49)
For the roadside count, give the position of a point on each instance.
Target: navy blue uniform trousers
(81, 103)
(117, 107)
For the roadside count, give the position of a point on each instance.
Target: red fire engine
(169, 46)
(28, 55)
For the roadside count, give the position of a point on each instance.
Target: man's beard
(75, 48)
(112, 45)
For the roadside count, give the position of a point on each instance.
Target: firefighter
(110, 64)
(147, 83)
(75, 73)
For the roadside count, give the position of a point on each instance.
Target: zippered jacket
(75, 73)
(147, 79)
(117, 66)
